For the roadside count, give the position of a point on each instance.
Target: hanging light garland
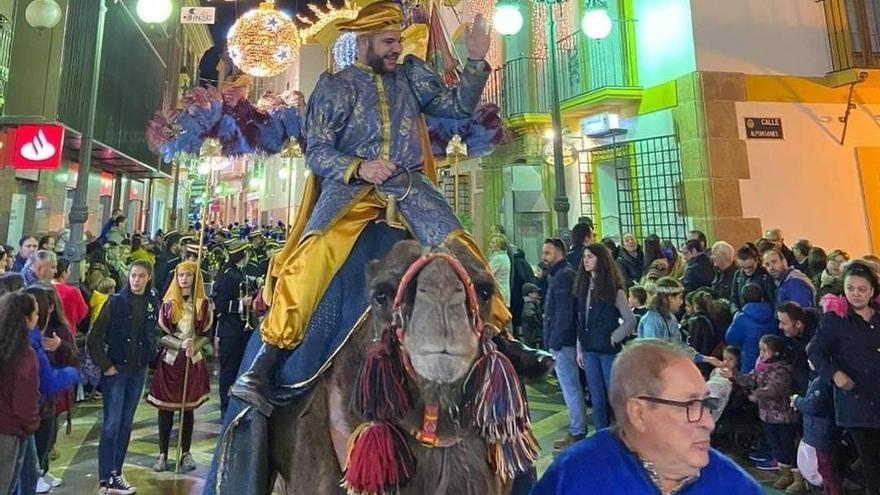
(263, 42)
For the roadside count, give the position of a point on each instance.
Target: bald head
(638, 370)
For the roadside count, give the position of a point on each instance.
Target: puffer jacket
(753, 322)
(773, 388)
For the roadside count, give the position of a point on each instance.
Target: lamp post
(508, 21)
(79, 211)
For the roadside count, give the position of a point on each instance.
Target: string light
(263, 42)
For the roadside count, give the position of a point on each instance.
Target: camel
(425, 327)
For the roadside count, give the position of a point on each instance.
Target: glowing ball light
(263, 42)
(154, 11)
(43, 14)
(596, 24)
(507, 20)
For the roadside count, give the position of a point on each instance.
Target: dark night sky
(227, 12)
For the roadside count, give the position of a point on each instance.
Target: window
(464, 192)
(853, 32)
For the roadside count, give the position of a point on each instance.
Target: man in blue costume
(365, 143)
(661, 444)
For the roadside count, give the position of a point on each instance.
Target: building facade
(47, 72)
(729, 119)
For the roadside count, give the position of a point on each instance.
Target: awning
(529, 202)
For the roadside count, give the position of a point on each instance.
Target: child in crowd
(19, 385)
(772, 387)
(702, 335)
(532, 315)
(719, 386)
(660, 322)
(816, 451)
(638, 301)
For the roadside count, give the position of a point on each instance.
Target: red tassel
(379, 460)
(380, 392)
(500, 413)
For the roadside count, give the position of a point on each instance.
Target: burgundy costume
(166, 389)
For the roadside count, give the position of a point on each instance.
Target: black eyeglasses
(694, 407)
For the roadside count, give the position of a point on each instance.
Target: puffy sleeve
(438, 100)
(824, 346)
(327, 114)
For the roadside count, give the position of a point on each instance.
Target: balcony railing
(853, 33)
(520, 86)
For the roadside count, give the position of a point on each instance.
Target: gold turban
(375, 18)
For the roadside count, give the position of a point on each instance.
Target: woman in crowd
(702, 334)
(830, 280)
(185, 317)
(660, 322)
(630, 259)
(499, 262)
(846, 350)
(653, 251)
(72, 302)
(676, 261)
(62, 354)
(19, 385)
(604, 320)
(817, 261)
(4, 256)
(47, 242)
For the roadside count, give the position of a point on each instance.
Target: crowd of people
(784, 338)
(142, 313)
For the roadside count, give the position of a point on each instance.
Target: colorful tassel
(499, 411)
(379, 460)
(381, 392)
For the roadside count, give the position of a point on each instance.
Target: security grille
(464, 191)
(649, 186)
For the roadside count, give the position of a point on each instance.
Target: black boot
(252, 386)
(530, 364)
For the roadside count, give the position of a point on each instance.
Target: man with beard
(364, 138)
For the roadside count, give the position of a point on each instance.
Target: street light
(43, 14)
(598, 21)
(154, 11)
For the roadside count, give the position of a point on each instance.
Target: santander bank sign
(38, 146)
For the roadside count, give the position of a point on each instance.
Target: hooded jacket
(749, 325)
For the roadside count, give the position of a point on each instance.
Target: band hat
(256, 233)
(170, 234)
(236, 246)
(187, 239)
(192, 248)
(377, 17)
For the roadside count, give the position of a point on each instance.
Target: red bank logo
(38, 146)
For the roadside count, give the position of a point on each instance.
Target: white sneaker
(43, 486)
(55, 482)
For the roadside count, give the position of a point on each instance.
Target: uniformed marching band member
(232, 301)
(259, 260)
(162, 268)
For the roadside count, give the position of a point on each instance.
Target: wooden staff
(196, 279)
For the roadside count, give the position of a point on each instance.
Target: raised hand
(478, 39)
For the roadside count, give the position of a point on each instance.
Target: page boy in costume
(185, 317)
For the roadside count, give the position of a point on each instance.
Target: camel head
(439, 332)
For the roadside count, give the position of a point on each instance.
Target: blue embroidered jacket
(357, 115)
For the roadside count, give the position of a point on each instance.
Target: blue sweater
(602, 465)
(52, 380)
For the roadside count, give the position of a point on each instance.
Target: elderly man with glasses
(661, 442)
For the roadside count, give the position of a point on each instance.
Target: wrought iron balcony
(584, 65)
